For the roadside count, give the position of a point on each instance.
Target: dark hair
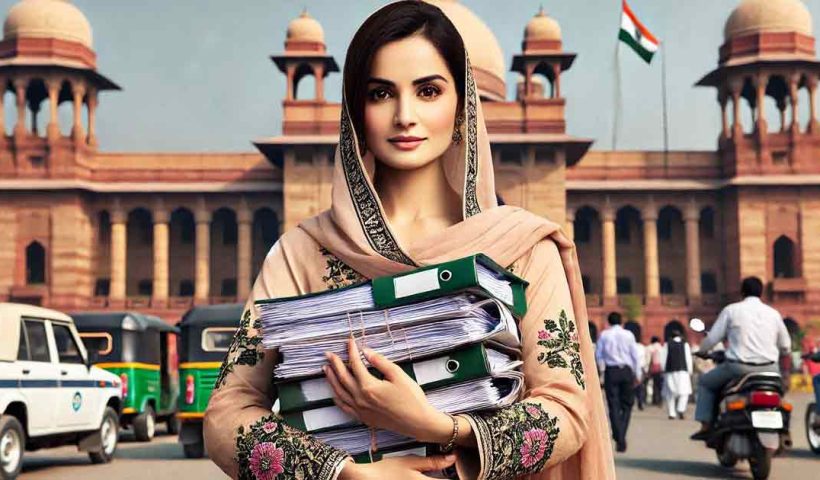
(654, 339)
(614, 318)
(751, 287)
(634, 328)
(393, 22)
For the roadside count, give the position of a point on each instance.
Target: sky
(196, 74)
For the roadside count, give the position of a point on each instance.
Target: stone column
(608, 238)
(812, 85)
(53, 128)
(77, 131)
(569, 227)
(290, 75)
(161, 240)
(20, 85)
(119, 237)
(319, 73)
(735, 86)
(92, 117)
(649, 215)
(794, 82)
(202, 284)
(760, 85)
(691, 218)
(244, 219)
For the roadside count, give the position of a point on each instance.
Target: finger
(343, 374)
(429, 464)
(339, 391)
(356, 364)
(390, 370)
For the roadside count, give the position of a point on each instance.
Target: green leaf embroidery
(561, 347)
(244, 349)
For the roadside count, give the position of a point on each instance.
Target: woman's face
(410, 106)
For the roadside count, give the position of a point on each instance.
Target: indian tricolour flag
(636, 35)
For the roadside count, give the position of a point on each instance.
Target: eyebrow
(417, 81)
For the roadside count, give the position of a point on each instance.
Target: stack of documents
(451, 327)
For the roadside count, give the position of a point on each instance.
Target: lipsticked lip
(402, 138)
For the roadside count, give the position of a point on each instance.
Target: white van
(50, 395)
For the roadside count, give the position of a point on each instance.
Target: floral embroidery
(270, 450)
(514, 441)
(246, 349)
(266, 461)
(560, 340)
(339, 274)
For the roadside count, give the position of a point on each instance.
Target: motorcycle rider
(756, 338)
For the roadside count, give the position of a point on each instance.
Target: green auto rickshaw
(136, 347)
(205, 335)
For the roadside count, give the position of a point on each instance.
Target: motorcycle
(752, 420)
(812, 418)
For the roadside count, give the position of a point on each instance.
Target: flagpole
(665, 112)
(616, 109)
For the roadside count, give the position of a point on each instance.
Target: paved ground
(658, 449)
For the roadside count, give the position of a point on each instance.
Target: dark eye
(377, 94)
(429, 91)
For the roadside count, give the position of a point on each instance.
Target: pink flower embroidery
(544, 335)
(269, 427)
(535, 444)
(533, 411)
(266, 461)
(574, 337)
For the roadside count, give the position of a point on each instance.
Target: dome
(305, 29)
(753, 16)
(57, 19)
(542, 27)
(482, 46)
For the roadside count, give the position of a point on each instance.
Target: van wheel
(173, 425)
(12, 446)
(109, 435)
(145, 425)
(194, 450)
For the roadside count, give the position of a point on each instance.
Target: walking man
(757, 337)
(618, 354)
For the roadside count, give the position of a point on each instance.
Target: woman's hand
(396, 403)
(409, 467)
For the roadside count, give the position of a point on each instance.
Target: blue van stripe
(22, 383)
(39, 383)
(9, 383)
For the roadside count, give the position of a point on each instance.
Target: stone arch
(224, 233)
(629, 250)
(139, 264)
(304, 79)
(265, 233)
(784, 255)
(671, 250)
(587, 234)
(35, 263)
(545, 71)
(65, 108)
(181, 253)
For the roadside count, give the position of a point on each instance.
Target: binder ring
(452, 366)
(445, 275)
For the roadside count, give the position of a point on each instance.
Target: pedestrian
(676, 356)
(640, 390)
(653, 351)
(617, 351)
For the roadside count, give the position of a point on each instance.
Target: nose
(405, 116)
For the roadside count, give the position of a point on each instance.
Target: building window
(35, 264)
(145, 287)
(582, 230)
(102, 287)
(708, 283)
(587, 283)
(229, 233)
(624, 285)
(186, 288)
(707, 223)
(667, 287)
(784, 258)
(511, 155)
(664, 227)
(780, 158)
(622, 233)
(37, 161)
(228, 287)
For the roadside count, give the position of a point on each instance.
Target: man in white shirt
(757, 337)
(617, 352)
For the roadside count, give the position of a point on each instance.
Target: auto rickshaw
(206, 335)
(136, 347)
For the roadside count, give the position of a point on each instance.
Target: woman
(676, 356)
(413, 185)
